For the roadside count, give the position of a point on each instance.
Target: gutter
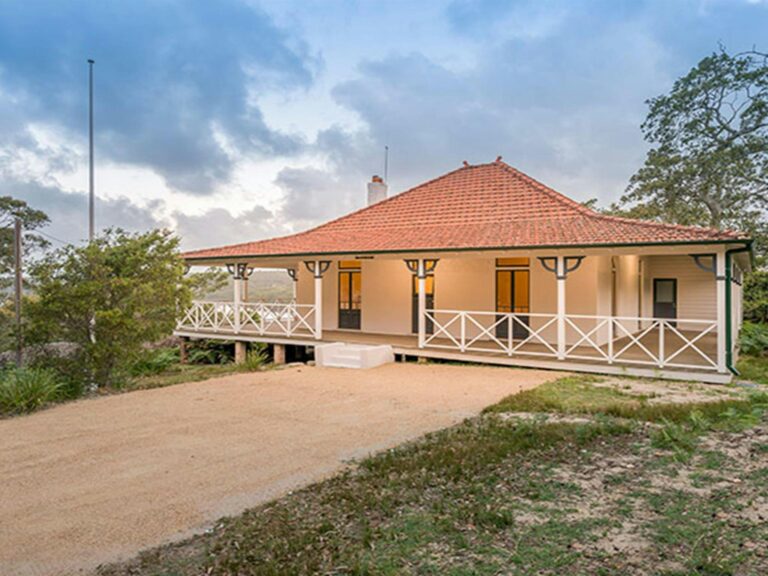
(728, 297)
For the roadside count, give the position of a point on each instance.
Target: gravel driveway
(98, 480)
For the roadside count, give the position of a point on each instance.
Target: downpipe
(728, 299)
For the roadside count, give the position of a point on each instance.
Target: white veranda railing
(259, 318)
(658, 342)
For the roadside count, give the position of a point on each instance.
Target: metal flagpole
(91, 192)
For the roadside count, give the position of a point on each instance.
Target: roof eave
(241, 257)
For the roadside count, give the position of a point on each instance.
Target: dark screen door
(513, 295)
(429, 283)
(350, 299)
(664, 298)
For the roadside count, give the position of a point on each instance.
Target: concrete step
(341, 355)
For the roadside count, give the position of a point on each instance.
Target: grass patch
(569, 395)
(577, 395)
(753, 368)
(179, 374)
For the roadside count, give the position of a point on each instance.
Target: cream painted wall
(696, 290)
(386, 292)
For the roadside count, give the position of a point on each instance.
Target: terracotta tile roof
(475, 207)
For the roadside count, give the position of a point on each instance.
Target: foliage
(27, 389)
(31, 219)
(756, 296)
(207, 282)
(753, 368)
(210, 352)
(155, 361)
(709, 161)
(108, 298)
(753, 339)
(256, 358)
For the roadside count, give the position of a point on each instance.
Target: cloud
(175, 81)
(219, 227)
(68, 212)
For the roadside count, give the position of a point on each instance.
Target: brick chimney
(377, 190)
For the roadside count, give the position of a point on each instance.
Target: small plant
(754, 339)
(155, 361)
(256, 358)
(27, 389)
(676, 437)
(211, 352)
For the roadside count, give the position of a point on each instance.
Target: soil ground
(100, 479)
(583, 475)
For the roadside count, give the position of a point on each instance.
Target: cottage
(486, 264)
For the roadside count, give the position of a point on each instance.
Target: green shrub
(256, 358)
(155, 361)
(754, 339)
(211, 352)
(27, 389)
(756, 296)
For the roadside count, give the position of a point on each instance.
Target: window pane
(357, 295)
(522, 291)
(517, 261)
(504, 291)
(665, 291)
(353, 264)
(344, 290)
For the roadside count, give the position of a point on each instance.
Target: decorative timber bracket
(429, 267)
(711, 267)
(317, 269)
(293, 273)
(240, 270)
(570, 264)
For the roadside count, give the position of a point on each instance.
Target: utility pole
(91, 192)
(17, 290)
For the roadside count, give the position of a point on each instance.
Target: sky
(235, 120)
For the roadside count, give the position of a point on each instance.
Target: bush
(27, 389)
(256, 358)
(211, 352)
(756, 296)
(753, 340)
(108, 298)
(155, 361)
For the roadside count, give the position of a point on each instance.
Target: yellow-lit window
(517, 261)
(344, 290)
(357, 292)
(513, 291)
(349, 264)
(522, 291)
(504, 291)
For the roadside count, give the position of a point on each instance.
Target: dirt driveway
(98, 480)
